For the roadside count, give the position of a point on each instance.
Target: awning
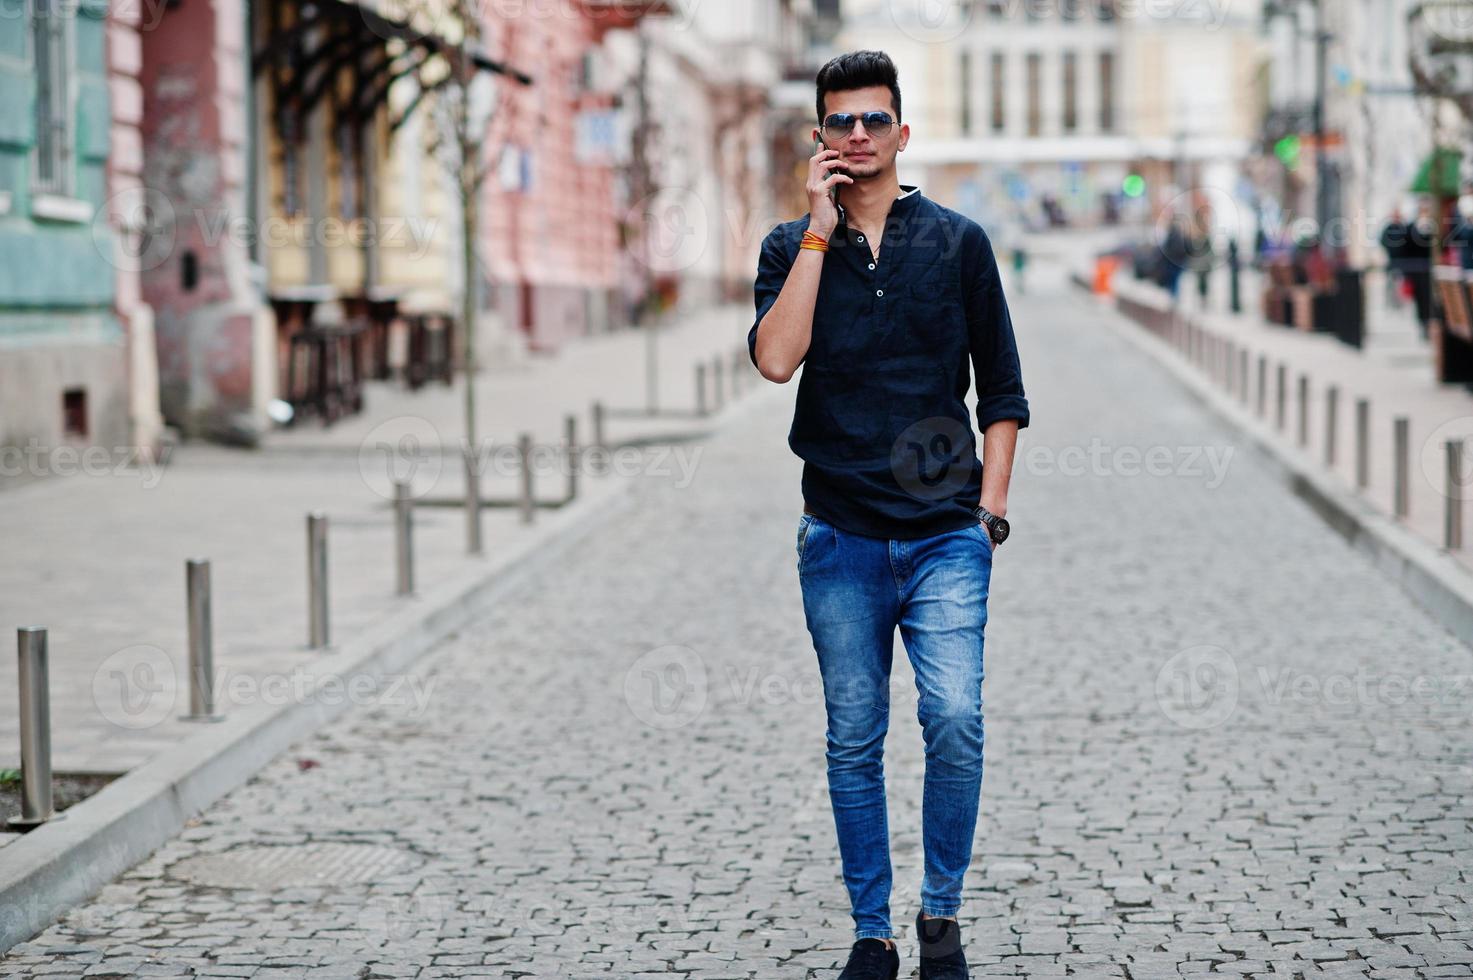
(1439, 174)
(327, 37)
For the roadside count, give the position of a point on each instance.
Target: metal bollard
(718, 382)
(1281, 395)
(598, 426)
(317, 631)
(524, 453)
(201, 642)
(1243, 375)
(1453, 491)
(1362, 443)
(35, 729)
(737, 374)
(403, 537)
(1262, 384)
(701, 389)
(570, 437)
(1302, 396)
(1401, 465)
(1332, 408)
(473, 542)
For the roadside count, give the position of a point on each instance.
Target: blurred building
(76, 341)
(322, 136)
(1075, 111)
(1378, 131)
(697, 109)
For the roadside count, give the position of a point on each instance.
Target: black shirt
(880, 419)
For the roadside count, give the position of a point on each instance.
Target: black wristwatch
(997, 527)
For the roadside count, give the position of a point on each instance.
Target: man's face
(864, 154)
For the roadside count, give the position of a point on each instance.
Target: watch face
(1000, 530)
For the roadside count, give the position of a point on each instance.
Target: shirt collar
(910, 194)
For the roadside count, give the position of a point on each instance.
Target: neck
(867, 202)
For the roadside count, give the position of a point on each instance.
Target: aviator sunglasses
(840, 125)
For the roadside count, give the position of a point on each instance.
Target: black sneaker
(871, 959)
(940, 944)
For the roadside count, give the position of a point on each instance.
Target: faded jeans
(856, 591)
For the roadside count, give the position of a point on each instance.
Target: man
(885, 297)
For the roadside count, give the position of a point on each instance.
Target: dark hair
(858, 69)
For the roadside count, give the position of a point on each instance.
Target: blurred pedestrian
(1174, 257)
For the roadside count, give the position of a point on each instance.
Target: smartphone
(834, 190)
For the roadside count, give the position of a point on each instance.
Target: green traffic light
(1134, 185)
(1287, 150)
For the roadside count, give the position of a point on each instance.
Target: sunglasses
(840, 125)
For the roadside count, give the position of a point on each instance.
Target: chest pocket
(932, 321)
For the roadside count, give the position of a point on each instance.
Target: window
(1071, 91)
(51, 37)
(999, 92)
(348, 170)
(1107, 91)
(1035, 94)
(291, 164)
(966, 82)
(74, 412)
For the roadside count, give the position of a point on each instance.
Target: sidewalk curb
(1428, 574)
(68, 860)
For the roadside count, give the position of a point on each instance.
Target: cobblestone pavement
(1216, 743)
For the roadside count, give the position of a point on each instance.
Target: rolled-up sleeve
(995, 365)
(773, 266)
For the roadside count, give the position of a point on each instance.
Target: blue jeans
(856, 591)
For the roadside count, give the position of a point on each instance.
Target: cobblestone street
(1217, 742)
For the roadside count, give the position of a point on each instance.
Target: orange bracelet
(814, 241)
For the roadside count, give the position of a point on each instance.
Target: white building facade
(1014, 102)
